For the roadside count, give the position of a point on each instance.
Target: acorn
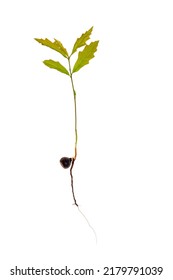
(65, 162)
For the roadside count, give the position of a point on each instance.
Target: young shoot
(85, 54)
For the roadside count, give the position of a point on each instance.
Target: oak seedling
(85, 54)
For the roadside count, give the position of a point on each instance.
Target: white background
(123, 174)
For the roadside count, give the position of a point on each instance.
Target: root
(71, 174)
(75, 202)
(88, 224)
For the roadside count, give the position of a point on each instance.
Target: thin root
(88, 224)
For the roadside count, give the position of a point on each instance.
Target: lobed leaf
(80, 42)
(56, 45)
(56, 65)
(85, 56)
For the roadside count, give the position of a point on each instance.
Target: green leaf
(85, 56)
(80, 42)
(56, 45)
(56, 65)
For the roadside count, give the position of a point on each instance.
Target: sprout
(84, 56)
